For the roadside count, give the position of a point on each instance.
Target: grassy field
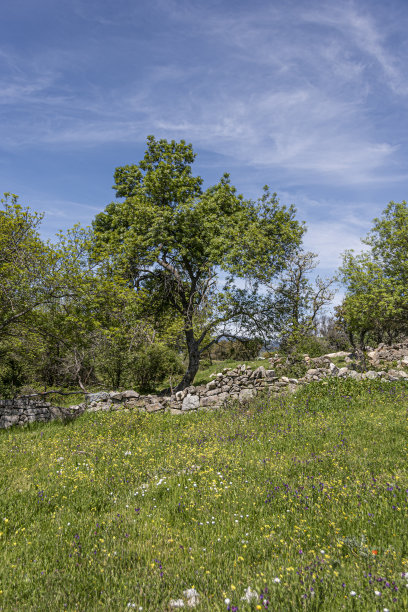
(302, 499)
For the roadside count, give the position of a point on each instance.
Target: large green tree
(172, 241)
(376, 300)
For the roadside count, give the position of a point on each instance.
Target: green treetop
(171, 240)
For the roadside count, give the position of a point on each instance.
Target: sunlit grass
(303, 499)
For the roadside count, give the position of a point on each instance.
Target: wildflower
(352, 593)
(378, 593)
(375, 552)
(176, 603)
(276, 579)
(227, 601)
(249, 595)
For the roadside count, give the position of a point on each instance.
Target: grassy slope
(303, 499)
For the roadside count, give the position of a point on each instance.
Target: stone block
(190, 402)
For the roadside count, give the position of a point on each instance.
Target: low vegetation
(303, 499)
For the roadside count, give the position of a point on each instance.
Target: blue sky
(307, 97)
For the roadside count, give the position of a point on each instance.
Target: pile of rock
(387, 354)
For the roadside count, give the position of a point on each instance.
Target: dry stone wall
(23, 411)
(240, 384)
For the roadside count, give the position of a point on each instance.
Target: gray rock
(97, 397)
(334, 370)
(130, 394)
(371, 375)
(211, 385)
(354, 375)
(190, 402)
(246, 394)
(154, 407)
(212, 392)
(116, 396)
(209, 401)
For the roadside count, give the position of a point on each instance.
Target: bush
(152, 364)
(12, 378)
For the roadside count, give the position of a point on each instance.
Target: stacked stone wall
(22, 411)
(239, 384)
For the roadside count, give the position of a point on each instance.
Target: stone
(340, 354)
(190, 402)
(259, 372)
(334, 370)
(222, 397)
(180, 395)
(176, 411)
(116, 396)
(212, 392)
(246, 394)
(97, 397)
(354, 375)
(209, 401)
(130, 394)
(154, 408)
(371, 375)
(211, 385)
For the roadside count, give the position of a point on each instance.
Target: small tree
(376, 301)
(170, 240)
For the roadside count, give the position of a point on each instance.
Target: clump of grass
(302, 498)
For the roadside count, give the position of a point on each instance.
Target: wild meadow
(294, 503)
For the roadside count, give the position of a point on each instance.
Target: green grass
(305, 496)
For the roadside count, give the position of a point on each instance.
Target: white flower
(352, 593)
(192, 597)
(227, 601)
(249, 595)
(276, 579)
(378, 593)
(128, 452)
(176, 603)
(131, 605)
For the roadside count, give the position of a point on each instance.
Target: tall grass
(303, 499)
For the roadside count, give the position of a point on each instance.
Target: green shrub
(152, 364)
(12, 378)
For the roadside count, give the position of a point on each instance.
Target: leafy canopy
(171, 239)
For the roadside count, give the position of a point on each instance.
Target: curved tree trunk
(193, 361)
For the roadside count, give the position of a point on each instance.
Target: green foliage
(376, 301)
(314, 346)
(12, 377)
(152, 364)
(170, 239)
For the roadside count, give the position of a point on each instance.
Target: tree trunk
(193, 361)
